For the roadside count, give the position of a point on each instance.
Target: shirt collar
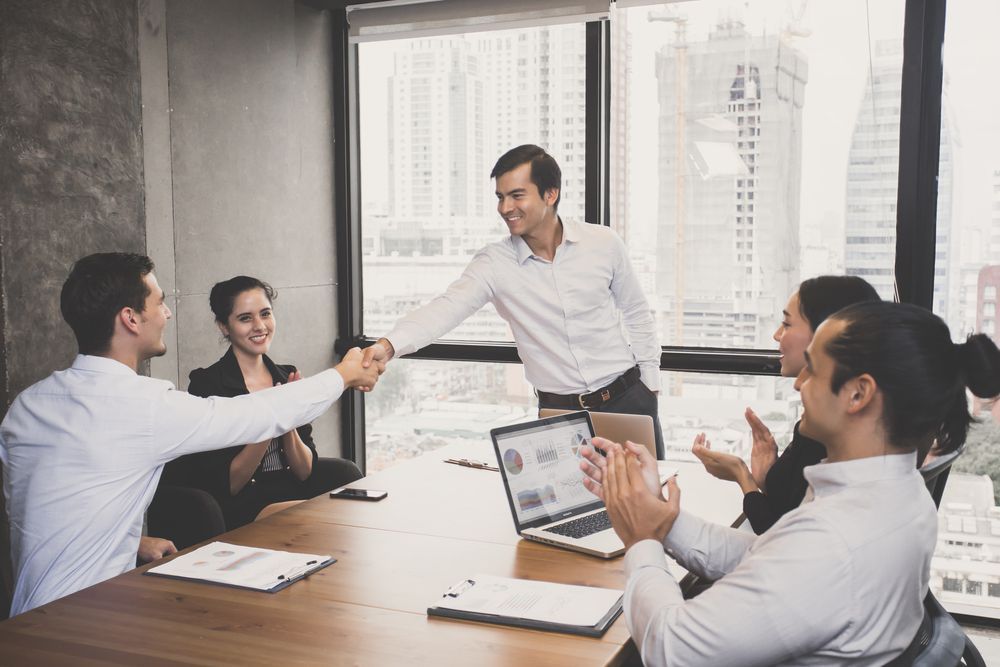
(91, 362)
(571, 234)
(827, 478)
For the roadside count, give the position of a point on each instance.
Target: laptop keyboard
(582, 527)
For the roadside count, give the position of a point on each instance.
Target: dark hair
(545, 172)
(97, 288)
(822, 296)
(224, 295)
(922, 374)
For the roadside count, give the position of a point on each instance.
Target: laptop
(617, 427)
(540, 465)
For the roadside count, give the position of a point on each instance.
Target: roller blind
(418, 18)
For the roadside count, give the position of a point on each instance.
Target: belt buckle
(579, 399)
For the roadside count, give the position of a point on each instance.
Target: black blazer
(210, 470)
(785, 484)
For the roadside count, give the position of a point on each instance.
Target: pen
(472, 464)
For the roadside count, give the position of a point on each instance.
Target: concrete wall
(71, 178)
(71, 172)
(239, 152)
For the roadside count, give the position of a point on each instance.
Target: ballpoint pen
(472, 464)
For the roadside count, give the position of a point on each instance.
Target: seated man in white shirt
(82, 450)
(564, 287)
(842, 578)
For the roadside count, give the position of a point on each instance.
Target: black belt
(594, 399)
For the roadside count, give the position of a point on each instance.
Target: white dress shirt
(566, 315)
(83, 450)
(839, 580)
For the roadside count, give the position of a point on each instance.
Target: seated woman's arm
(244, 464)
(297, 444)
(225, 471)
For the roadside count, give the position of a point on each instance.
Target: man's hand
(637, 513)
(379, 353)
(594, 463)
(765, 450)
(355, 374)
(154, 548)
(724, 466)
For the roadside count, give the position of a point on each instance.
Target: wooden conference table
(440, 523)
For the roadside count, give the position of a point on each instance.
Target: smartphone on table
(359, 494)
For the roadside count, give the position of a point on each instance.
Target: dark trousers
(636, 400)
(280, 486)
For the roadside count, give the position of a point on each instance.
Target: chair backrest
(935, 473)
(940, 641)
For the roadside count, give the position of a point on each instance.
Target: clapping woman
(774, 484)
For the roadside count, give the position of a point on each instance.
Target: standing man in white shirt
(564, 287)
(83, 449)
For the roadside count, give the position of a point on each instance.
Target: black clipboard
(596, 630)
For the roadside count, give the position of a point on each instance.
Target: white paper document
(246, 567)
(531, 600)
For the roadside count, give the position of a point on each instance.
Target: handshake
(361, 370)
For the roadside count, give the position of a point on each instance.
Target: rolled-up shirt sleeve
(183, 424)
(443, 313)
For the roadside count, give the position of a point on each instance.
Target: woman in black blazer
(247, 478)
(774, 485)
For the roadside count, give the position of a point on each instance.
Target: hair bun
(980, 360)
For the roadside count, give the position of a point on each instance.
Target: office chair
(184, 515)
(939, 642)
(935, 473)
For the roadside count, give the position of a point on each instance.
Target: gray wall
(239, 151)
(70, 164)
(71, 172)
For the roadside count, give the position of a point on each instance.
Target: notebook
(540, 465)
(541, 605)
(244, 567)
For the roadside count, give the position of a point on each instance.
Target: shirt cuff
(650, 374)
(682, 534)
(645, 553)
(400, 345)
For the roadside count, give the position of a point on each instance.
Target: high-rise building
(730, 142)
(872, 178)
(435, 93)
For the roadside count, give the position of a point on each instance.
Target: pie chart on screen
(512, 461)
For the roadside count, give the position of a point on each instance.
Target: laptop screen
(541, 467)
